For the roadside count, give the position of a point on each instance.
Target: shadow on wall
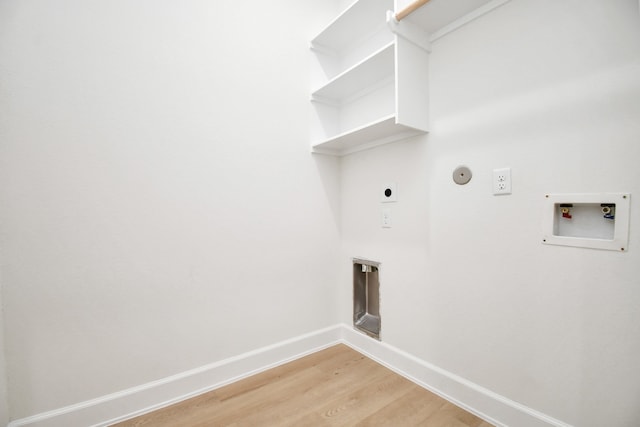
(329, 171)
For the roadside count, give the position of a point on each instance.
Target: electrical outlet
(502, 181)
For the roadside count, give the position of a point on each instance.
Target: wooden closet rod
(410, 9)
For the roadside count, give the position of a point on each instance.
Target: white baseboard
(135, 401)
(490, 406)
(139, 400)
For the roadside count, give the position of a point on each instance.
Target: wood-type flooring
(333, 387)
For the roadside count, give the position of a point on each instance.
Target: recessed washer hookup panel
(590, 220)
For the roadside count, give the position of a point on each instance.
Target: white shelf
(371, 75)
(361, 19)
(370, 135)
(376, 68)
(358, 101)
(439, 17)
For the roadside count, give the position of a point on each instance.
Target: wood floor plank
(272, 403)
(414, 408)
(333, 387)
(347, 408)
(453, 415)
(338, 382)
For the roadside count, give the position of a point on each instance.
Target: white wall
(552, 90)
(4, 409)
(159, 208)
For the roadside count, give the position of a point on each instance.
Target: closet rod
(410, 9)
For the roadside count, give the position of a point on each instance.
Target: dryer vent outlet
(366, 297)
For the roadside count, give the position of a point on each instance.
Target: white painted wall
(552, 90)
(159, 208)
(4, 408)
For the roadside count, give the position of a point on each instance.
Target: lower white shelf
(379, 132)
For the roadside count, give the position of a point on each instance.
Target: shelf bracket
(325, 101)
(409, 31)
(318, 48)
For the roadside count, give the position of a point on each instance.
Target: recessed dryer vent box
(366, 297)
(598, 220)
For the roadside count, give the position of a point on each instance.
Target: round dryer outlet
(462, 175)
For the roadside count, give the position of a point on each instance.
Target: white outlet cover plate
(385, 219)
(502, 186)
(389, 187)
(620, 239)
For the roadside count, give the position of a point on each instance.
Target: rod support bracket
(409, 31)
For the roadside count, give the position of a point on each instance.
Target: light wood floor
(334, 387)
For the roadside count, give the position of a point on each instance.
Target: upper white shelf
(436, 16)
(362, 18)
